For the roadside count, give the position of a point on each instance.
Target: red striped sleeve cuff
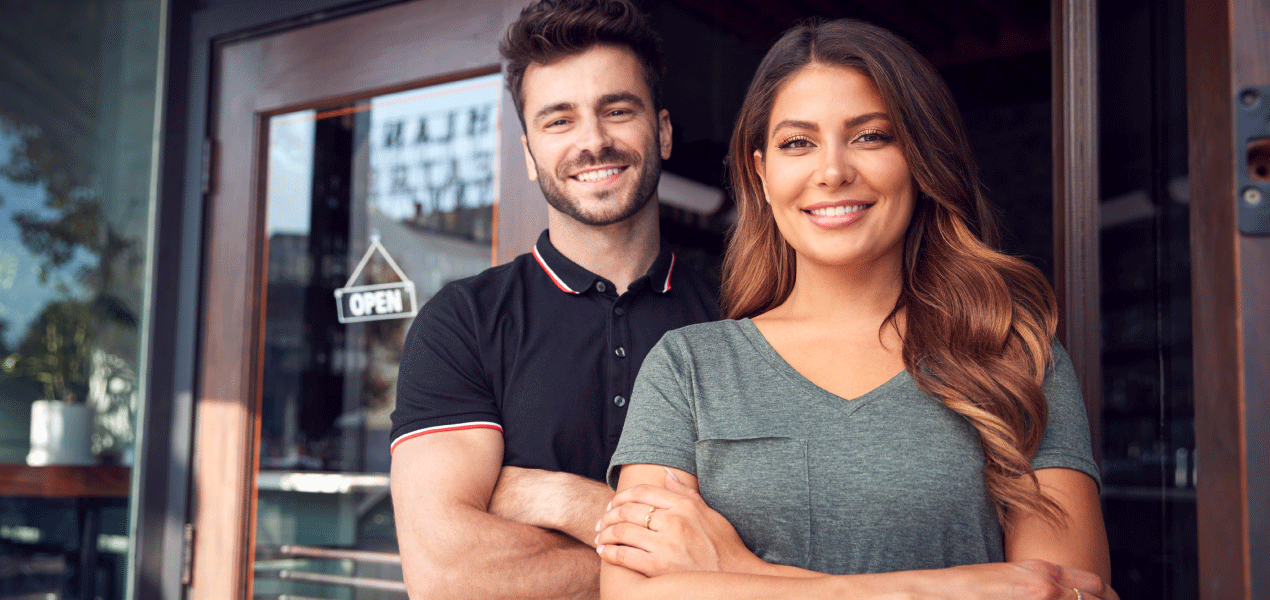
(440, 428)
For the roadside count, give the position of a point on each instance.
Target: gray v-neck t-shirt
(889, 481)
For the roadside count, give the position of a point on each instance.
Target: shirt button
(620, 352)
(619, 311)
(619, 401)
(600, 287)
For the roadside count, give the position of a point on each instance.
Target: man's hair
(550, 30)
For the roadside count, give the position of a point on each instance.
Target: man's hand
(551, 500)
(658, 530)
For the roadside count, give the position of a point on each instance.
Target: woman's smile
(838, 215)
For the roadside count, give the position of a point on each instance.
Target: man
(513, 384)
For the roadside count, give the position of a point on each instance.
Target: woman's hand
(656, 531)
(1022, 580)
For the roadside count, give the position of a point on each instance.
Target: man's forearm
(552, 500)
(467, 553)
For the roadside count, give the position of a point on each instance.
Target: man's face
(593, 141)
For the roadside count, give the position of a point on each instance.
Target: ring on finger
(1079, 595)
(649, 517)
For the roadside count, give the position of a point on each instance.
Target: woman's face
(835, 175)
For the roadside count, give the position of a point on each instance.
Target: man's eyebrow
(554, 108)
(617, 97)
(808, 125)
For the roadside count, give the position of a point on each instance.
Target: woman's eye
(874, 137)
(795, 143)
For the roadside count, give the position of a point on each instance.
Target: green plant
(55, 351)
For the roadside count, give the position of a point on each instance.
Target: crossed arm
(690, 551)
(470, 528)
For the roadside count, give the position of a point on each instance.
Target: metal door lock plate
(1252, 158)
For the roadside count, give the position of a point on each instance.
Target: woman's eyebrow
(853, 122)
(796, 124)
(865, 118)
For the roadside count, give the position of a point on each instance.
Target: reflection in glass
(1149, 466)
(78, 85)
(416, 171)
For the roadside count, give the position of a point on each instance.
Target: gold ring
(649, 517)
(652, 508)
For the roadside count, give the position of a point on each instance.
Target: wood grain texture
(1077, 276)
(1250, 55)
(59, 481)
(1228, 273)
(381, 51)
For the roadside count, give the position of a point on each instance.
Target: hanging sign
(376, 302)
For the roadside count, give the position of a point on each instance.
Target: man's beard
(638, 198)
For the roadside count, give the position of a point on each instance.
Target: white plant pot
(61, 434)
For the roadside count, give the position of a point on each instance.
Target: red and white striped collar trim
(440, 428)
(552, 274)
(666, 287)
(564, 287)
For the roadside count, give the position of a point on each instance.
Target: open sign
(374, 302)
(394, 300)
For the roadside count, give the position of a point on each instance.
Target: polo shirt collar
(573, 279)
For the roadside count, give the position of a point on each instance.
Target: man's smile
(599, 175)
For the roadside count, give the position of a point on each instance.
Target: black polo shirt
(543, 351)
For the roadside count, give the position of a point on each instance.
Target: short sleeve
(441, 382)
(660, 428)
(1066, 441)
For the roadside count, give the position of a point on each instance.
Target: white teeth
(594, 176)
(837, 211)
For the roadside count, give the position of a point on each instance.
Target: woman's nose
(836, 169)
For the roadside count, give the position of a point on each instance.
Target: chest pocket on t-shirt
(760, 485)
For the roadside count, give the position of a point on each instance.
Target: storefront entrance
(357, 167)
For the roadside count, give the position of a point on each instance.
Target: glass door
(356, 165)
(371, 207)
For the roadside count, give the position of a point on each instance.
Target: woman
(888, 413)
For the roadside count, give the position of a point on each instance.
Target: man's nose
(594, 136)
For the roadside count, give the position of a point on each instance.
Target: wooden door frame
(256, 78)
(1077, 218)
(1226, 45)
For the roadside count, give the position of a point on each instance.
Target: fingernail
(608, 507)
(599, 549)
(671, 473)
(597, 525)
(597, 541)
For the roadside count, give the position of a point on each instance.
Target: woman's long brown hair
(978, 323)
